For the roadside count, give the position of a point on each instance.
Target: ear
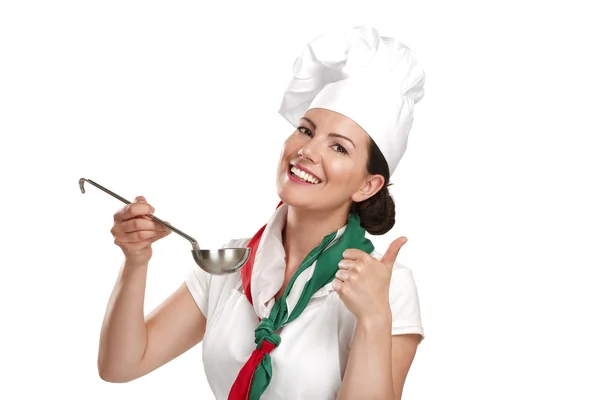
(371, 186)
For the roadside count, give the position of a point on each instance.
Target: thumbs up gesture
(363, 282)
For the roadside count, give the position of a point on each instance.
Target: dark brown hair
(378, 212)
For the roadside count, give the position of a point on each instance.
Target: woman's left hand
(363, 282)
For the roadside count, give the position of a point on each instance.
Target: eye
(304, 129)
(343, 150)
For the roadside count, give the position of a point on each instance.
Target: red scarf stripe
(241, 387)
(246, 270)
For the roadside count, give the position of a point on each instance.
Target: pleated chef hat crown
(373, 80)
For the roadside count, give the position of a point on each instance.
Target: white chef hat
(373, 80)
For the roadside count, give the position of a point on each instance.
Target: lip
(307, 171)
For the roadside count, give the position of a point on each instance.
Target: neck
(305, 229)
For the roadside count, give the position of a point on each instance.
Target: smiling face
(329, 152)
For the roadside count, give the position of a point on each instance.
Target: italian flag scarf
(255, 376)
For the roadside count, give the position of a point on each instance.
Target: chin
(289, 197)
(295, 199)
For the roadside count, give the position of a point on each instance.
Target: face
(329, 151)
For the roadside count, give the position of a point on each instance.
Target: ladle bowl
(216, 262)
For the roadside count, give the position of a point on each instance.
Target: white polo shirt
(311, 359)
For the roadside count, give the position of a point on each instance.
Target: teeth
(304, 176)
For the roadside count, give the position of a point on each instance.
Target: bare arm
(378, 363)
(131, 346)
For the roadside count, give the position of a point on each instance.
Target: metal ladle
(215, 262)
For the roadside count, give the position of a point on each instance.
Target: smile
(298, 175)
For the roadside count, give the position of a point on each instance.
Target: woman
(315, 313)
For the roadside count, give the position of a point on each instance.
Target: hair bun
(378, 213)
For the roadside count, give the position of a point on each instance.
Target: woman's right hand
(134, 232)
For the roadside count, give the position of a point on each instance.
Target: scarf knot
(265, 337)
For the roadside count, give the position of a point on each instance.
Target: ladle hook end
(81, 182)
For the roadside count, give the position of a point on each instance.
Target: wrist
(376, 321)
(130, 264)
(133, 270)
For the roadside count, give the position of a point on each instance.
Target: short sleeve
(199, 281)
(404, 301)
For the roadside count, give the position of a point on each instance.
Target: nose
(310, 152)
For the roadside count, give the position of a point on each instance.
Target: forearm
(123, 335)
(369, 370)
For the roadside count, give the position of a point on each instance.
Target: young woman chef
(315, 313)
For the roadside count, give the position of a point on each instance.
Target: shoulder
(402, 281)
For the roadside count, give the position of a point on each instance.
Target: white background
(177, 101)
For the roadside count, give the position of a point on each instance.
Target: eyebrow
(332, 134)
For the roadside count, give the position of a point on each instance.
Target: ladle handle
(160, 221)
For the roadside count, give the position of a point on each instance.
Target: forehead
(330, 121)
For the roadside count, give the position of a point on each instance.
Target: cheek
(291, 146)
(342, 172)
(286, 150)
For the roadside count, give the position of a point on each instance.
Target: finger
(159, 235)
(353, 254)
(392, 252)
(342, 275)
(162, 234)
(142, 200)
(133, 210)
(337, 285)
(137, 236)
(346, 264)
(140, 224)
(357, 255)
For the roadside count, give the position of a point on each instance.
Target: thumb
(142, 199)
(391, 254)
